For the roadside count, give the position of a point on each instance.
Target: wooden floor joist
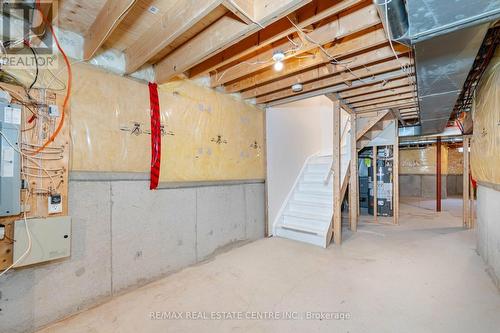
(160, 34)
(310, 14)
(219, 36)
(313, 66)
(107, 21)
(345, 79)
(341, 27)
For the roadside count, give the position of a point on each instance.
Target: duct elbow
(394, 17)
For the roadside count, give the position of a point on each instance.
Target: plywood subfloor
(78, 16)
(421, 276)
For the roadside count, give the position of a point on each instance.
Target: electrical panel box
(51, 240)
(10, 170)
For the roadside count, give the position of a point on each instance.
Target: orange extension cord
(68, 84)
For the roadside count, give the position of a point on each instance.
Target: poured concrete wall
(488, 229)
(125, 235)
(421, 186)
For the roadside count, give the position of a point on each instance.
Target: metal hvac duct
(394, 17)
(446, 36)
(426, 141)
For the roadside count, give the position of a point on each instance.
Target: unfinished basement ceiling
(337, 47)
(446, 36)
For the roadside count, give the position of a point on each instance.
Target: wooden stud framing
(372, 122)
(375, 185)
(395, 172)
(353, 184)
(466, 183)
(113, 12)
(337, 200)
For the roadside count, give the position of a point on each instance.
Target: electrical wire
(36, 62)
(333, 60)
(32, 159)
(242, 63)
(68, 85)
(404, 67)
(28, 234)
(248, 16)
(35, 145)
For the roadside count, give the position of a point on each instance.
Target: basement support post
(438, 174)
(337, 200)
(353, 180)
(466, 183)
(375, 185)
(395, 180)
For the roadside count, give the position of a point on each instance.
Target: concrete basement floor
(421, 276)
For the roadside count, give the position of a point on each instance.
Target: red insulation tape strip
(155, 135)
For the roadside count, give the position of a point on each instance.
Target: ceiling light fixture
(278, 58)
(278, 66)
(297, 87)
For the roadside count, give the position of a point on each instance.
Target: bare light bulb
(278, 66)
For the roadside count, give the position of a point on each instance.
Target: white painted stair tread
(309, 211)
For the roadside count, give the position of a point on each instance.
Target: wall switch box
(51, 240)
(55, 204)
(10, 166)
(2, 231)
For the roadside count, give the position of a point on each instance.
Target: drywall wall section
(295, 131)
(488, 230)
(125, 236)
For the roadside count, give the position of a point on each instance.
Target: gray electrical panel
(51, 240)
(10, 166)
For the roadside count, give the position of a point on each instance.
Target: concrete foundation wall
(125, 235)
(423, 185)
(488, 230)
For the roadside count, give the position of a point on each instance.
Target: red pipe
(438, 174)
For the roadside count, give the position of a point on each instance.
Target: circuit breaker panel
(34, 161)
(10, 170)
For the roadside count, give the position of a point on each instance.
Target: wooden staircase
(372, 128)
